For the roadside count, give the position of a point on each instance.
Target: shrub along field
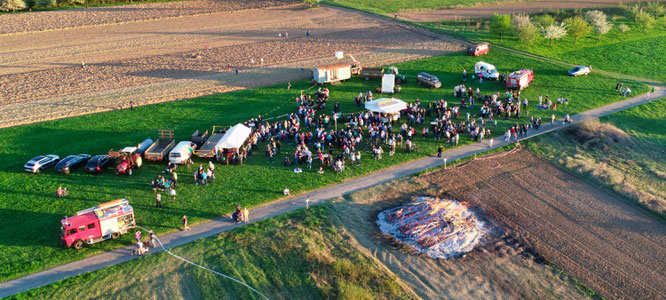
(304, 254)
(30, 213)
(624, 152)
(633, 52)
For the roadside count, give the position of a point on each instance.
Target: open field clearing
(634, 52)
(303, 254)
(167, 65)
(501, 268)
(38, 248)
(625, 153)
(610, 245)
(95, 16)
(486, 11)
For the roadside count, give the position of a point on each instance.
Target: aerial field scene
(332, 149)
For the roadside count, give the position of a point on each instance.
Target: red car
(479, 49)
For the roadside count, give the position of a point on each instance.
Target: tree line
(528, 29)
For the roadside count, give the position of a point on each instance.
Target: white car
(486, 70)
(580, 70)
(40, 163)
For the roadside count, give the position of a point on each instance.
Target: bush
(544, 20)
(500, 24)
(578, 27)
(13, 5)
(594, 134)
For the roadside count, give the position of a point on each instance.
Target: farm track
(610, 245)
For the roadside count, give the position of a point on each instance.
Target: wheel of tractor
(138, 162)
(78, 244)
(115, 235)
(129, 172)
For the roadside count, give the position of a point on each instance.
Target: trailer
(208, 148)
(106, 221)
(520, 79)
(331, 73)
(371, 73)
(199, 138)
(159, 150)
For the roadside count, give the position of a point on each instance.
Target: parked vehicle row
(128, 158)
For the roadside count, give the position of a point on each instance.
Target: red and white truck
(105, 221)
(520, 79)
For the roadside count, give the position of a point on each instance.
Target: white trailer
(331, 73)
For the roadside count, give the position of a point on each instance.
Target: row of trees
(528, 30)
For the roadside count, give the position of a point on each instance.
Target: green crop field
(634, 167)
(634, 53)
(30, 213)
(395, 6)
(304, 254)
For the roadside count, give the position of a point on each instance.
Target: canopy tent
(386, 105)
(234, 138)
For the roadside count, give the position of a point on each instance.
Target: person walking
(490, 142)
(173, 194)
(185, 227)
(137, 235)
(158, 200)
(439, 151)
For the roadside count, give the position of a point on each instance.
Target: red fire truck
(105, 221)
(520, 79)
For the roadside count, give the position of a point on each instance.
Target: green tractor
(399, 78)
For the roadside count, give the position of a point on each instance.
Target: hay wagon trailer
(159, 150)
(208, 148)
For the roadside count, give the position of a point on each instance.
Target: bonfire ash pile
(437, 227)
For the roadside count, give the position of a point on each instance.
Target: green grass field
(304, 254)
(633, 53)
(396, 6)
(30, 213)
(635, 168)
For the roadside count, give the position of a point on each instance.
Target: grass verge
(304, 254)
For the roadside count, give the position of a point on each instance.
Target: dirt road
(510, 8)
(156, 60)
(610, 245)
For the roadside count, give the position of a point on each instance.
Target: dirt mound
(440, 228)
(594, 134)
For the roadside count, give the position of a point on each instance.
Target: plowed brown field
(610, 245)
(152, 53)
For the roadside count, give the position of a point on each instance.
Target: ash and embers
(440, 228)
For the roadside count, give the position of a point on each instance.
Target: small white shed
(331, 73)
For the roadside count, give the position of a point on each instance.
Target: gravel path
(275, 208)
(510, 8)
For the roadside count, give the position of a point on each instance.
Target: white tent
(386, 105)
(234, 138)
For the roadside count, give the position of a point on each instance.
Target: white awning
(386, 105)
(234, 137)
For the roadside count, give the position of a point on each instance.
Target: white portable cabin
(388, 84)
(331, 73)
(182, 152)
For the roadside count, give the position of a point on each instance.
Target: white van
(182, 152)
(486, 70)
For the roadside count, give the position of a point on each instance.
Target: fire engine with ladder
(105, 221)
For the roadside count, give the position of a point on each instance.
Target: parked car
(98, 162)
(486, 70)
(41, 163)
(478, 49)
(580, 70)
(428, 80)
(71, 163)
